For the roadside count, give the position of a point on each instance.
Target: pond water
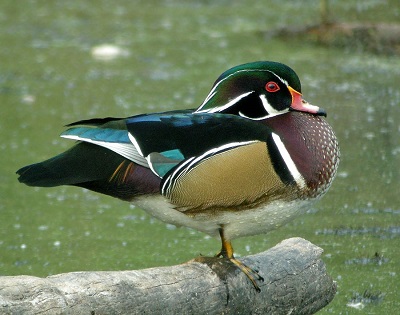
(167, 57)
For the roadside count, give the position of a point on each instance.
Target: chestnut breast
(313, 147)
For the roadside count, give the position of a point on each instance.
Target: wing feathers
(115, 140)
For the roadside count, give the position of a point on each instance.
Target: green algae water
(56, 69)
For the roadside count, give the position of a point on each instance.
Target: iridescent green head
(257, 90)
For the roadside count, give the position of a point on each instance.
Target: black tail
(95, 168)
(82, 163)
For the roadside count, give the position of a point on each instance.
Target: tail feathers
(39, 175)
(82, 163)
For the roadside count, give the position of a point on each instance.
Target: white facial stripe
(269, 109)
(283, 80)
(223, 107)
(213, 90)
(209, 96)
(289, 162)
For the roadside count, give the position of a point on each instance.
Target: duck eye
(272, 87)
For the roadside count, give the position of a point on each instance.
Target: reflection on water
(55, 70)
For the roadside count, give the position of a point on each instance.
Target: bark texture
(295, 282)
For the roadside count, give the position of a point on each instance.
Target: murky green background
(171, 54)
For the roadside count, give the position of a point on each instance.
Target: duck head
(257, 90)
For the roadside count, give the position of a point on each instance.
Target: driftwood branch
(295, 282)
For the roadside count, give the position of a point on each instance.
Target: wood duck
(253, 156)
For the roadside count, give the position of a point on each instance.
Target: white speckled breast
(313, 146)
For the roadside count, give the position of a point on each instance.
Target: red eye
(272, 86)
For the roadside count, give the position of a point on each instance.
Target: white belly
(235, 223)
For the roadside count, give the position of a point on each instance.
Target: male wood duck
(253, 156)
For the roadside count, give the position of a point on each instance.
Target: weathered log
(295, 282)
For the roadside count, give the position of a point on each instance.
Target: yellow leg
(227, 252)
